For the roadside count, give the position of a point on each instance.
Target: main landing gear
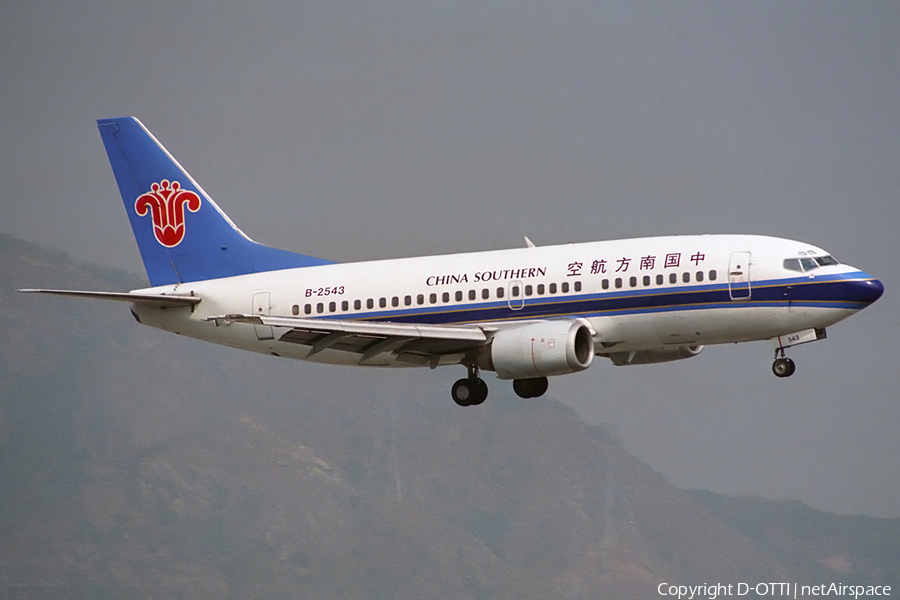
(470, 391)
(530, 388)
(783, 366)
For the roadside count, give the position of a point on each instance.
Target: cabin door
(261, 306)
(739, 275)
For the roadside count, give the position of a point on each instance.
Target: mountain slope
(137, 463)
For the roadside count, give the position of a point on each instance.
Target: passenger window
(618, 283)
(458, 295)
(605, 284)
(499, 292)
(432, 298)
(295, 310)
(357, 304)
(673, 277)
(445, 297)
(320, 308)
(407, 300)
(472, 294)
(552, 288)
(540, 289)
(529, 290)
(564, 287)
(370, 303)
(577, 286)
(395, 301)
(345, 306)
(660, 279)
(332, 307)
(382, 302)
(699, 275)
(713, 275)
(307, 309)
(646, 280)
(420, 299)
(485, 294)
(686, 277)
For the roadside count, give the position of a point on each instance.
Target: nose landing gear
(783, 366)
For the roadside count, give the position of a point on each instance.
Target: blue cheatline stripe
(830, 292)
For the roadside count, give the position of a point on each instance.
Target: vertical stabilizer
(182, 234)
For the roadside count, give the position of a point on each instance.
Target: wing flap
(413, 330)
(368, 338)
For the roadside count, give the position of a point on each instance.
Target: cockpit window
(793, 264)
(825, 261)
(808, 263)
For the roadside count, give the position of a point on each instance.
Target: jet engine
(540, 349)
(646, 357)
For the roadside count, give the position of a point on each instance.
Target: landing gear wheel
(469, 392)
(462, 392)
(793, 367)
(481, 392)
(530, 388)
(520, 387)
(783, 367)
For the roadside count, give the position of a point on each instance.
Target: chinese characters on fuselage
(645, 263)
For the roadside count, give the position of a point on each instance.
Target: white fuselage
(635, 294)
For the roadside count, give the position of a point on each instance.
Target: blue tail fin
(182, 234)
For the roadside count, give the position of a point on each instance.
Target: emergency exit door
(516, 298)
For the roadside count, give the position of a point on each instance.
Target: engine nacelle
(646, 357)
(539, 349)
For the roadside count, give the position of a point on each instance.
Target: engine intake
(540, 349)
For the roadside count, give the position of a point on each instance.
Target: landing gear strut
(783, 366)
(470, 391)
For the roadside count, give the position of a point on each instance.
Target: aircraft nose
(868, 290)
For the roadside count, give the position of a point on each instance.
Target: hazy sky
(352, 131)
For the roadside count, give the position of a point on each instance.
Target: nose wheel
(783, 366)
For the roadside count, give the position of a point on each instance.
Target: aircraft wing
(161, 300)
(415, 343)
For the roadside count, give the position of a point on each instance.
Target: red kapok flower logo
(167, 202)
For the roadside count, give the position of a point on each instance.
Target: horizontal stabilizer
(161, 300)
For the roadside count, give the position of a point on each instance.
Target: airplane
(526, 313)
